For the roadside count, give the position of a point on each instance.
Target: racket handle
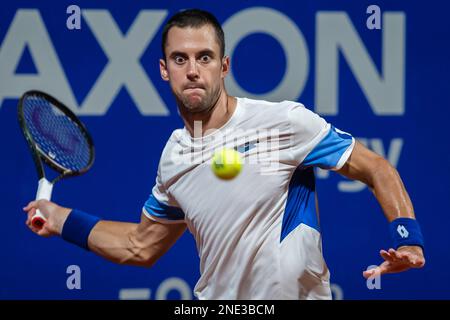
(38, 220)
(44, 191)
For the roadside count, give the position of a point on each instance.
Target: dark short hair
(193, 18)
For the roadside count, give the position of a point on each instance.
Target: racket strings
(56, 134)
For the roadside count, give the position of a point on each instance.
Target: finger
(386, 256)
(372, 273)
(407, 257)
(32, 228)
(419, 262)
(43, 232)
(393, 254)
(30, 215)
(403, 257)
(413, 259)
(31, 204)
(385, 268)
(389, 267)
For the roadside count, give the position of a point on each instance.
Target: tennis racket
(57, 138)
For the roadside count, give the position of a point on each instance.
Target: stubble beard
(199, 105)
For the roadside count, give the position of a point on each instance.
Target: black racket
(56, 135)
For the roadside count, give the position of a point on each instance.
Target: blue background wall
(129, 143)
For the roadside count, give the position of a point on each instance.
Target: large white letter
(124, 67)
(28, 29)
(384, 92)
(176, 284)
(279, 26)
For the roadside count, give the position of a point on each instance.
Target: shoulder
(269, 105)
(176, 136)
(269, 112)
(172, 145)
(300, 116)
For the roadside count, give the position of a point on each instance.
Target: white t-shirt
(258, 235)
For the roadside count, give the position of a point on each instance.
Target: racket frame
(38, 153)
(45, 186)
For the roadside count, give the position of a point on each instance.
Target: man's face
(194, 67)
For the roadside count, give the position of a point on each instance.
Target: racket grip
(44, 191)
(38, 220)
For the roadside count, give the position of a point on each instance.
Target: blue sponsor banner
(378, 70)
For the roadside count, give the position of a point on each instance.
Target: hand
(399, 260)
(55, 215)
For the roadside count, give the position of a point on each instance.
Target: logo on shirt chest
(246, 147)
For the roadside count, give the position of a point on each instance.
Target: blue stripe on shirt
(301, 202)
(161, 210)
(327, 153)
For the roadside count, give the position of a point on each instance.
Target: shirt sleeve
(315, 142)
(161, 207)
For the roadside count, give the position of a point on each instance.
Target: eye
(205, 58)
(179, 59)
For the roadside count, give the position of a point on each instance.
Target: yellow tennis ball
(226, 163)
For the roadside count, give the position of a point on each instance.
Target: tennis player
(258, 235)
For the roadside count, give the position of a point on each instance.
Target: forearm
(382, 179)
(139, 244)
(385, 182)
(407, 239)
(390, 192)
(116, 241)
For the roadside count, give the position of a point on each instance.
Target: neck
(211, 119)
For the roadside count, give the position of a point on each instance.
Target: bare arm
(385, 183)
(382, 179)
(140, 244)
(135, 244)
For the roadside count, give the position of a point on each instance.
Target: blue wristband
(406, 232)
(77, 227)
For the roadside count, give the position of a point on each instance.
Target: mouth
(194, 87)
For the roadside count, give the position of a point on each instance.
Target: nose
(192, 73)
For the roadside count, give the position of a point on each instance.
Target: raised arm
(385, 183)
(139, 244)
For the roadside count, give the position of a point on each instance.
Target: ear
(225, 66)
(163, 70)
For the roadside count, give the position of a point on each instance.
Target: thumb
(30, 205)
(371, 273)
(368, 273)
(377, 271)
